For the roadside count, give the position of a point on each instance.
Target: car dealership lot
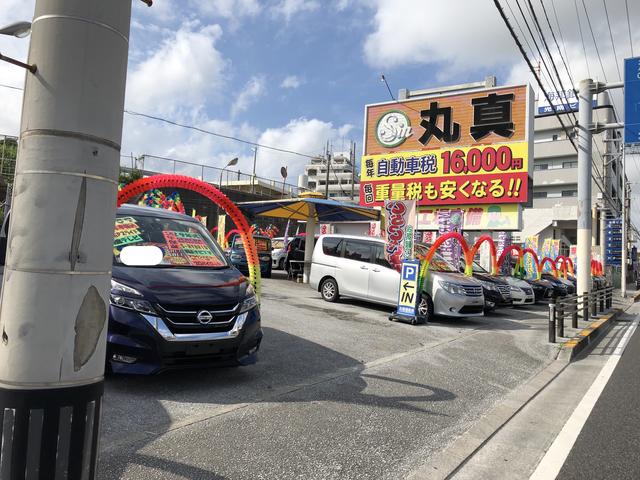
(338, 392)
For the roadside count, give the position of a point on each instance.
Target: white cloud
(289, 8)
(184, 72)
(291, 81)
(252, 90)
(229, 8)
(307, 136)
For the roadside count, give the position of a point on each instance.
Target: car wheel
(329, 290)
(425, 309)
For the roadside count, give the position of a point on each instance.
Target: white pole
(55, 293)
(625, 212)
(584, 185)
(309, 242)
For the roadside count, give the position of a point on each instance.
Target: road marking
(551, 464)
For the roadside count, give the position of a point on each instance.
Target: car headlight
(488, 285)
(515, 289)
(123, 296)
(235, 256)
(265, 258)
(453, 288)
(250, 301)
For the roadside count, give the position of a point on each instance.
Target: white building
(343, 181)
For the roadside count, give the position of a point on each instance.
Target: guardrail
(589, 305)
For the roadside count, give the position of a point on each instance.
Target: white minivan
(356, 267)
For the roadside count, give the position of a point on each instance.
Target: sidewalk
(509, 442)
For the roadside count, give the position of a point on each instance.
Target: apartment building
(343, 180)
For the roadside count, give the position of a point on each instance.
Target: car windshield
(478, 269)
(183, 243)
(262, 244)
(277, 243)
(438, 262)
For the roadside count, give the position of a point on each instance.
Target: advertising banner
(529, 264)
(483, 174)
(429, 237)
(374, 229)
(400, 221)
(459, 149)
(551, 249)
(632, 101)
(325, 229)
(221, 230)
(408, 296)
(505, 240)
(476, 217)
(573, 254)
(450, 221)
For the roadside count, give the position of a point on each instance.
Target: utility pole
(253, 177)
(352, 155)
(625, 230)
(326, 187)
(55, 293)
(585, 94)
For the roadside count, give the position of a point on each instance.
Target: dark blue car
(187, 308)
(238, 256)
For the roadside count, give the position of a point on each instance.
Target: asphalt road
(609, 442)
(339, 392)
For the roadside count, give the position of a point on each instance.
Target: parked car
(542, 289)
(497, 292)
(193, 308)
(356, 267)
(569, 286)
(559, 288)
(521, 292)
(238, 256)
(278, 253)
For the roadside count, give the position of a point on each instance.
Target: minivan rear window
(183, 243)
(332, 246)
(262, 244)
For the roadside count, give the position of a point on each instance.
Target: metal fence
(570, 307)
(230, 179)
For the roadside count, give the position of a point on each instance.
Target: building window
(539, 194)
(569, 164)
(312, 173)
(569, 193)
(541, 166)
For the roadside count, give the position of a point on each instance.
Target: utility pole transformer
(55, 293)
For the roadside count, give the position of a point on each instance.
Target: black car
(559, 288)
(542, 289)
(497, 292)
(238, 256)
(189, 308)
(569, 286)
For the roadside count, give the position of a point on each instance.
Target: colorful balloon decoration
(492, 250)
(550, 261)
(158, 199)
(212, 193)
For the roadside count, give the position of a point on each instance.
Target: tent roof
(300, 208)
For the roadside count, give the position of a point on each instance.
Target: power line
(584, 48)
(615, 55)
(220, 135)
(11, 87)
(626, 4)
(564, 46)
(595, 44)
(526, 58)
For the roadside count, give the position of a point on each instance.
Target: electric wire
(220, 135)
(595, 44)
(526, 58)
(584, 48)
(626, 4)
(564, 46)
(11, 87)
(615, 55)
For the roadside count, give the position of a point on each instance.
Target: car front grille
(469, 309)
(505, 290)
(184, 319)
(472, 291)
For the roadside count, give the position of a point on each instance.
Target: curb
(570, 349)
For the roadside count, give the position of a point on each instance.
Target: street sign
(613, 242)
(408, 296)
(632, 101)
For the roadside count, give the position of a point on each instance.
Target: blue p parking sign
(408, 296)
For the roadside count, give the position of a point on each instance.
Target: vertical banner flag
(285, 241)
(400, 223)
(326, 228)
(450, 221)
(429, 237)
(374, 229)
(505, 240)
(221, 230)
(529, 265)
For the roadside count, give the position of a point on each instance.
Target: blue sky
(297, 73)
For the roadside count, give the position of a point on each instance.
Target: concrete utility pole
(326, 187)
(352, 157)
(625, 230)
(55, 294)
(585, 95)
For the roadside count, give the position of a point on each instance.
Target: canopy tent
(311, 210)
